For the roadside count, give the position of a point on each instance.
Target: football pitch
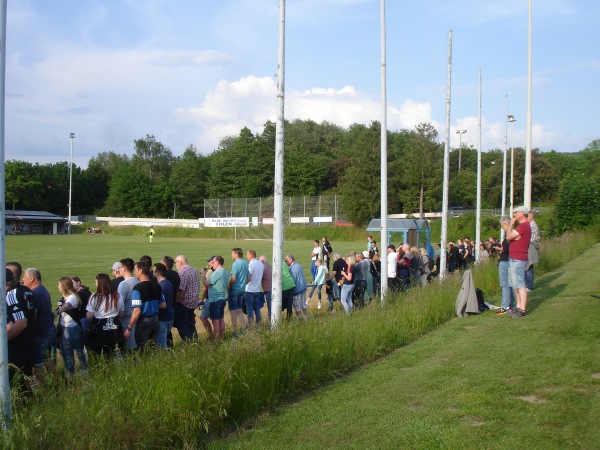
(87, 255)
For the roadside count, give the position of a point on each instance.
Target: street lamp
(460, 133)
(71, 136)
(512, 119)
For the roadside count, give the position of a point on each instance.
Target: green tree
(189, 177)
(153, 158)
(422, 170)
(578, 203)
(361, 187)
(21, 184)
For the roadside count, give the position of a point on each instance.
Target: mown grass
(181, 397)
(481, 382)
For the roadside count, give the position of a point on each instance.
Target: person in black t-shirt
(20, 326)
(339, 265)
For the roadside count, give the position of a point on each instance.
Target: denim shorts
(516, 273)
(204, 312)
(217, 309)
(235, 300)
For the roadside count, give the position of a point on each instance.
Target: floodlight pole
(504, 166)
(384, 175)
(512, 119)
(5, 395)
(71, 136)
(527, 190)
(478, 219)
(460, 133)
(276, 278)
(444, 232)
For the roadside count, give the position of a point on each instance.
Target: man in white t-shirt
(314, 255)
(253, 293)
(391, 267)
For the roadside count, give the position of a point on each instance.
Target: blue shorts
(217, 309)
(235, 300)
(204, 311)
(516, 273)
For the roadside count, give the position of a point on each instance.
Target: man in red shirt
(518, 234)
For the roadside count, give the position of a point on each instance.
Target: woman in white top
(104, 306)
(319, 281)
(71, 336)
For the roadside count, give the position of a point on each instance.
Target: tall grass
(180, 397)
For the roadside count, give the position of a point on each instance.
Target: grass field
(482, 382)
(87, 255)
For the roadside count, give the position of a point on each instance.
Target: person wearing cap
(117, 278)
(204, 301)
(533, 250)
(217, 294)
(519, 238)
(20, 327)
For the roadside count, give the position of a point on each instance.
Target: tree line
(320, 159)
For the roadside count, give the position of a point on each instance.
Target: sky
(191, 72)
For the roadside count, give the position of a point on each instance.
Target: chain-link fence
(322, 209)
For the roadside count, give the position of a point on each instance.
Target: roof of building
(34, 216)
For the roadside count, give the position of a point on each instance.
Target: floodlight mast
(277, 291)
(384, 175)
(444, 231)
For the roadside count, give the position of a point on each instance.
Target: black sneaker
(518, 313)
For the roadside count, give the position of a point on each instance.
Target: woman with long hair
(348, 286)
(105, 305)
(71, 335)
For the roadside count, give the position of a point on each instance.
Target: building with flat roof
(34, 222)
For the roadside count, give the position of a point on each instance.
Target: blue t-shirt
(239, 268)
(168, 313)
(147, 295)
(218, 285)
(44, 316)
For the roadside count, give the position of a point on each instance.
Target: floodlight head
(72, 136)
(511, 118)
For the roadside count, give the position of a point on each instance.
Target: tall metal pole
(444, 234)
(504, 166)
(5, 396)
(278, 189)
(478, 218)
(460, 133)
(384, 175)
(527, 190)
(71, 136)
(512, 119)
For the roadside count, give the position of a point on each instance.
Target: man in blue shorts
(519, 238)
(217, 294)
(237, 287)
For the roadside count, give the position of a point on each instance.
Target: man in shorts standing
(217, 295)
(237, 286)
(518, 256)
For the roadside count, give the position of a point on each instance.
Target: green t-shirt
(287, 282)
(218, 285)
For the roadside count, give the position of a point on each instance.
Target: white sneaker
(319, 305)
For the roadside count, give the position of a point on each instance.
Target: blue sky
(195, 71)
